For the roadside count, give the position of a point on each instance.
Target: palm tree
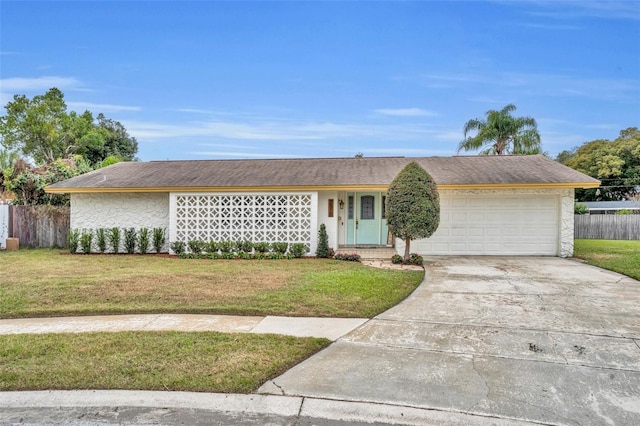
(501, 133)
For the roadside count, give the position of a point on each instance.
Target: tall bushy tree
(501, 133)
(412, 205)
(41, 129)
(616, 163)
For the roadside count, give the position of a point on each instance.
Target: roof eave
(378, 187)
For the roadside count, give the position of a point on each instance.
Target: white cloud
(101, 107)
(406, 112)
(39, 85)
(546, 26)
(194, 111)
(273, 129)
(542, 84)
(607, 9)
(573, 9)
(21, 84)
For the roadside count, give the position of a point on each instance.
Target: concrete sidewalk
(190, 408)
(329, 328)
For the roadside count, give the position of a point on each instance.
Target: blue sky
(275, 79)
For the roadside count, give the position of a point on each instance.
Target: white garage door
(495, 225)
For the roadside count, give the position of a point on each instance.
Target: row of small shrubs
(238, 249)
(110, 240)
(414, 259)
(239, 255)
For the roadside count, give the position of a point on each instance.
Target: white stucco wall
(566, 221)
(122, 210)
(564, 199)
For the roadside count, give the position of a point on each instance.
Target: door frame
(350, 228)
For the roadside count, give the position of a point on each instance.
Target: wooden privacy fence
(40, 226)
(607, 226)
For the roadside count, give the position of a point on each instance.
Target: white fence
(4, 224)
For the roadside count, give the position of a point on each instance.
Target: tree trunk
(407, 248)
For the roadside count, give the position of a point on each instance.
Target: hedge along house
(490, 205)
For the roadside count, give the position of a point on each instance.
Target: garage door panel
(495, 225)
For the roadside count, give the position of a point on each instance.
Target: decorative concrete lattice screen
(256, 217)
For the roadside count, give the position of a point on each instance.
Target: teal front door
(365, 222)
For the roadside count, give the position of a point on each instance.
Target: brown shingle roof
(323, 172)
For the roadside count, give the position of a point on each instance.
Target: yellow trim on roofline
(313, 188)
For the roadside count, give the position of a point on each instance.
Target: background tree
(27, 182)
(616, 163)
(41, 129)
(501, 133)
(7, 160)
(412, 205)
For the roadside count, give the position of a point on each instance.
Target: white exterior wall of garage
(501, 222)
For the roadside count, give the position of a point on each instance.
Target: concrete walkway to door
(543, 340)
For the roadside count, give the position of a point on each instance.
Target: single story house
(490, 205)
(612, 207)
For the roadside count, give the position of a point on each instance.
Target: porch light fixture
(341, 204)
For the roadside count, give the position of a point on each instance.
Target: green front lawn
(172, 361)
(53, 283)
(41, 283)
(621, 256)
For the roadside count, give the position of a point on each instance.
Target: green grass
(41, 283)
(621, 256)
(172, 361)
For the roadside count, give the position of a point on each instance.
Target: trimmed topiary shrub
(323, 242)
(412, 205)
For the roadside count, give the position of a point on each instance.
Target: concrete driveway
(494, 340)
